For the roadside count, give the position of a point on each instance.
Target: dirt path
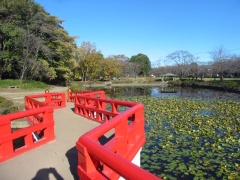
(17, 95)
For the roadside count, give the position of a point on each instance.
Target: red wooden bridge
(61, 142)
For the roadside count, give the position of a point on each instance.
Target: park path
(17, 95)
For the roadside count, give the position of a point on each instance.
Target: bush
(6, 103)
(2, 99)
(7, 106)
(11, 109)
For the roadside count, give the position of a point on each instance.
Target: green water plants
(191, 138)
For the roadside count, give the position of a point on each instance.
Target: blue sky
(152, 27)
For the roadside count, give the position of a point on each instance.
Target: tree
(143, 62)
(234, 65)
(63, 55)
(19, 17)
(9, 36)
(220, 58)
(181, 59)
(134, 69)
(33, 44)
(204, 70)
(123, 64)
(192, 70)
(89, 60)
(111, 67)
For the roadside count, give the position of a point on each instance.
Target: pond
(118, 92)
(191, 134)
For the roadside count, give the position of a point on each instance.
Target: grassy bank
(231, 85)
(31, 85)
(7, 106)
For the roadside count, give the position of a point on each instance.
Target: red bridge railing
(55, 100)
(111, 159)
(43, 130)
(39, 115)
(73, 94)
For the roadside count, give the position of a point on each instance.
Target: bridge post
(49, 131)
(6, 146)
(136, 160)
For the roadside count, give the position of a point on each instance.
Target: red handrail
(46, 127)
(39, 114)
(56, 100)
(73, 94)
(112, 159)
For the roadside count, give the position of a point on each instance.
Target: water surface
(118, 92)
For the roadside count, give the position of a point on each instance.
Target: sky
(155, 28)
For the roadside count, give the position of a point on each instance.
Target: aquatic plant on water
(191, 138)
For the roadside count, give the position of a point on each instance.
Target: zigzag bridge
(60, 141)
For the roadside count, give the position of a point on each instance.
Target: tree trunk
(221, 77)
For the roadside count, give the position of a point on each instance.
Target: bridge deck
(55, 160)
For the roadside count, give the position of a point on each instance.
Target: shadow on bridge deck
(55, 160)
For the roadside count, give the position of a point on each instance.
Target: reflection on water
(116, 92)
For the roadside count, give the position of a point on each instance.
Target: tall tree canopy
(143, 63)
(33, 44)
(89, 61)
(111, 67)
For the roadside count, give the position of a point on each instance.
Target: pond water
(195, 136)
(118, 92)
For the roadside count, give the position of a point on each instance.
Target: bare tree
(134, 68)
(192, 70)
(123, 64)
(157, 71)
(220, 58)
(234, 65)
(181, 59)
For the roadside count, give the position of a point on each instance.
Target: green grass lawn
(25, 85)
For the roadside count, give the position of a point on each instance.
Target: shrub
(7, 106)
(11, 109)
(6, 103)
(2, 99)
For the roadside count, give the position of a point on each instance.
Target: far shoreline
(162, 84)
